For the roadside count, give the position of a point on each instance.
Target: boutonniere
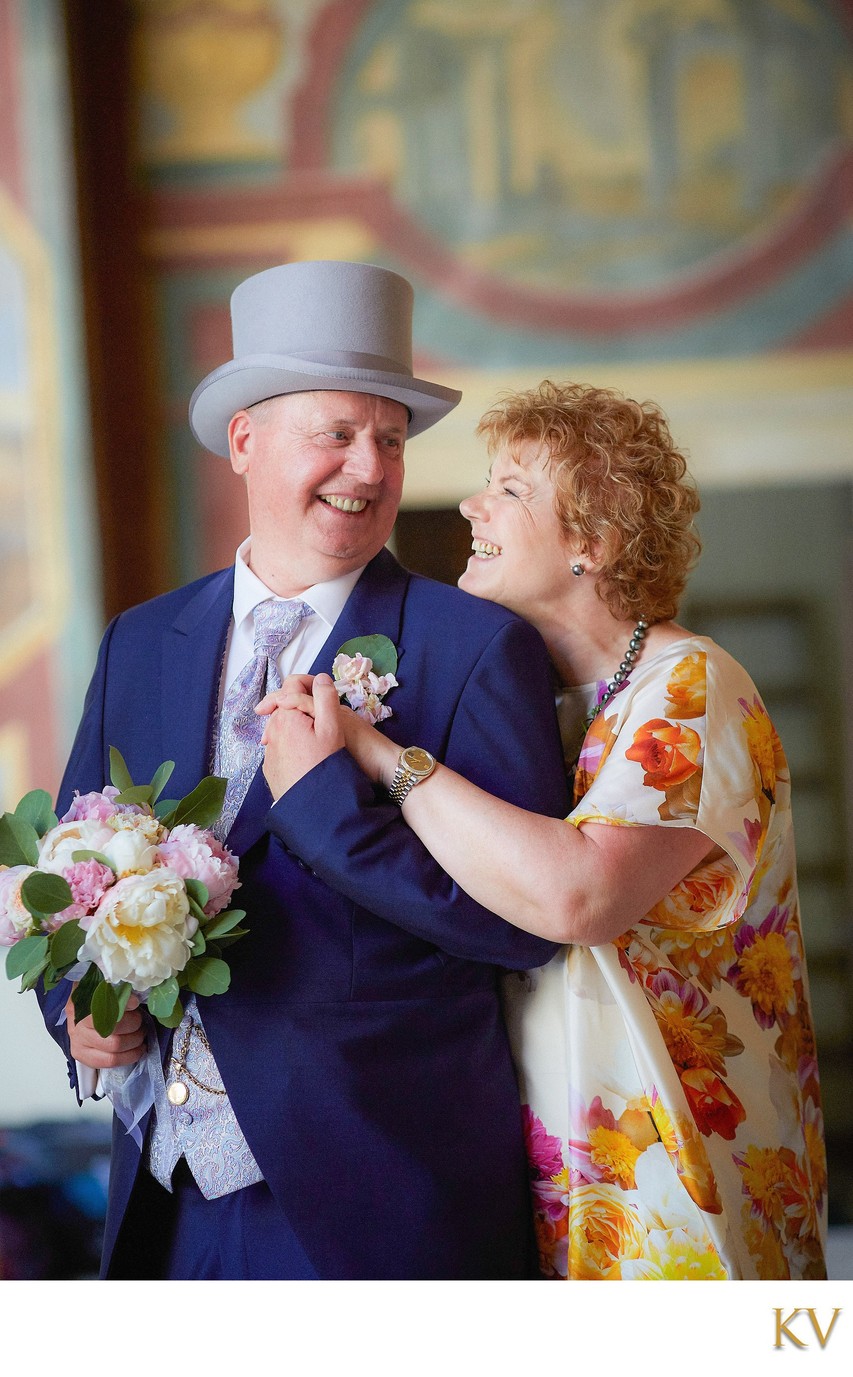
(363, 670)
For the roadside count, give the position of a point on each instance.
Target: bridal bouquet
(124, 893)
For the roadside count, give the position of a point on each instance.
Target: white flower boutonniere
(363, 670)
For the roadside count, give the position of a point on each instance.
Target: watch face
(418, 760)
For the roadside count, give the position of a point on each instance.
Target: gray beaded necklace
(635, 645)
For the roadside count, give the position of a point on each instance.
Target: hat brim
(244, 382)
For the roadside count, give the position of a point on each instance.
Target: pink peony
(195, 854)
(15, 919)
(89, 882)
(98, 806)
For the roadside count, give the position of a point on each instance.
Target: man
(348, 1108)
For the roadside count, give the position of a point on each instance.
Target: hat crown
(326, 311)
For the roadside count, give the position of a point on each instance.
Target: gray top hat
(317, 327)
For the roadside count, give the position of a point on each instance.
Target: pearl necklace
(635, 645)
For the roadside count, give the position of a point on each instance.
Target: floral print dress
(669, 1078)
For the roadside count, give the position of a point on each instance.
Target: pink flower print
(195, 854)
(544, 1151)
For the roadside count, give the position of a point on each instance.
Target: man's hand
(124, 1046)
(304, 727)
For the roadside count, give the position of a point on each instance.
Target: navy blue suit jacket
(361, 1041)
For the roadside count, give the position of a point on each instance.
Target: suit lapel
(193, 647)
(375, 605)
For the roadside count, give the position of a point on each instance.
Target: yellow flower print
(681, 1140)
(765, 749)
(702, 956)
(686, 689)
(765, 1247)
(613, 1155)
(676, 1255)
(604, 1230)
(695, 1032)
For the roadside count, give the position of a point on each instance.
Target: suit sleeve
(87, 769)
(504, 737)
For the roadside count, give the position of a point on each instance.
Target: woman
(666, 1056)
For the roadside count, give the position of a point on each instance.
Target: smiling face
(324, 475)
(521, 557)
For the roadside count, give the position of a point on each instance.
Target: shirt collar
(327, 599)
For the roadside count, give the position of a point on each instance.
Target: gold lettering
(782, 1327)
(823, 1339)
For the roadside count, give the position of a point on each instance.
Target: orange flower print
(597, 745)
(705, 899)
(694, 1030)
(604, 1229)
(716, 1109)
(667, 752)
(686, 688)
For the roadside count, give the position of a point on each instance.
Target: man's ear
(239, 441)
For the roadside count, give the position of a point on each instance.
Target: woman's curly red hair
(621, 488)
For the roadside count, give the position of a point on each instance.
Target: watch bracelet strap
(402, 784)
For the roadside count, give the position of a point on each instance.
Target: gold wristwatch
(414, 765)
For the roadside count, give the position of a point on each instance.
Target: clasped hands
(306, 724)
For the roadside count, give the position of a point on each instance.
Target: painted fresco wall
(50, 605)
(650, 193)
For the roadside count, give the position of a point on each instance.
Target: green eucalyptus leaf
(223, 922)
(233, 936)
(32, 976)
(44, 893)
(135, 793)
(198, 945)
(82, 995)
(18, 841)
(204, 804)
(36, 808)
(123, 992)
(104, 1009)
(207, 975)
(24, 955)
(164, 810)
(174, 1018)
(93, 856)
(377, 648)
(65, 944)
(198, 891)
(51, 976)
(119, 773)
(162, 999)
(161, 779)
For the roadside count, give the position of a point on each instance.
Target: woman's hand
(373, 752)
(124, 1046)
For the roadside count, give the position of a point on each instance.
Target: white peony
(142, 930)
(58, 845)
(129, 852)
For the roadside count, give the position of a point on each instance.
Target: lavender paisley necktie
(238, 748)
